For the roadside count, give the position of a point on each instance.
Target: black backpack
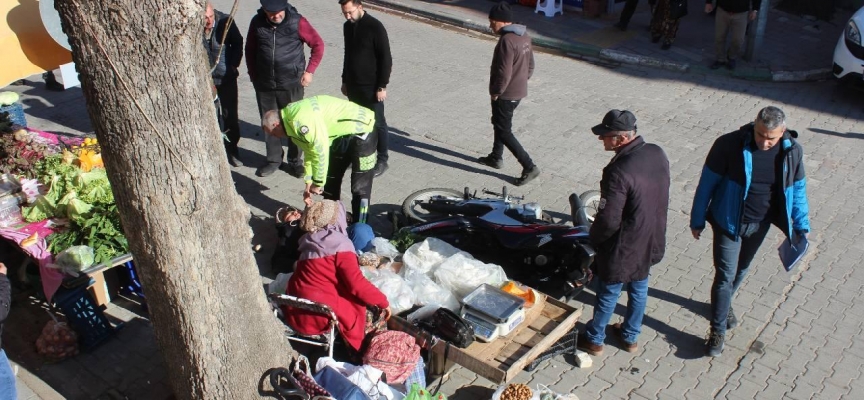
(449, 326)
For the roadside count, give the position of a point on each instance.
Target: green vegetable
(403, 239)
(8, 98)
(75, 258)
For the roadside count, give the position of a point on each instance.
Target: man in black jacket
(7, 377)
(730, 21)
(629, 230)
(277, 66)
(224, 61)
(366, 69)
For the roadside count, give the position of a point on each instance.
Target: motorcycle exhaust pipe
(577, 211)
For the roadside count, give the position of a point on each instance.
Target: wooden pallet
(499, 361)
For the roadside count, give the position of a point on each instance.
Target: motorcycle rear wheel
(591, 203)
(411, 206)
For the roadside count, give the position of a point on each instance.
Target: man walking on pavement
(366, 69)
(512, 66)
(629, 230)
(224, 61)
(627, 13)
(752, 178)
(730, 21)
(335, 134)
(278, 69)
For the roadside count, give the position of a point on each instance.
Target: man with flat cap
(629, 230)
(277, 67)
(512, 66)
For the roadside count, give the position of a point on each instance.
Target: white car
(849, 53)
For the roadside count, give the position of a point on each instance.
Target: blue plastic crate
(85, 317)
(16, 113)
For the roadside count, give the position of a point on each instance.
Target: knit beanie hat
(501, 12)
(319, 215)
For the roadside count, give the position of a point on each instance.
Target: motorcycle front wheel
(591, 203)
(412, 209)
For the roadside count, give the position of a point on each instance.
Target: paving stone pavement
(800, 331)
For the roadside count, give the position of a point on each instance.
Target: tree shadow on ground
(847, 135)
(686, 345)
(426, 152)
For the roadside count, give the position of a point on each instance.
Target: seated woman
(328, 273)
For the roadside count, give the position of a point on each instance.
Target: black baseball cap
(616, 121)
(274, 5)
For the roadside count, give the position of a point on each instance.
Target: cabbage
(8, 98)
(74, 259)
(77, 208)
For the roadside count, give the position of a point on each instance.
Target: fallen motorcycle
(552, 257)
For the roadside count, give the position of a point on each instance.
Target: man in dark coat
(7, 376)
(277, 67)
(629, 230)
(224, 59)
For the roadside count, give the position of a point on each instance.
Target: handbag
(677, 9)
(449, 326)
(303, 376)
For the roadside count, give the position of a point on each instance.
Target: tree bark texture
(187, 227)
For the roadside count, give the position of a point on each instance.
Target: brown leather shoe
(627, 346)
(582, 343)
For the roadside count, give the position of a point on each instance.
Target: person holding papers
(752, 178)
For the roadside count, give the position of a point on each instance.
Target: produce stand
(548, 321)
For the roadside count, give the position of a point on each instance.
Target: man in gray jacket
(512, 66)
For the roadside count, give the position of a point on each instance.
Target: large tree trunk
(187, 227)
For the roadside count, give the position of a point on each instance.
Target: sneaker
(717, 64)
(381, 168)
(528, 176)
(234, 161)
(715, 344)
(620, 25)
(491, 161)
(731, 64)
(582, 343)
(627, 346)
(655, 39)
(731, 320)
(267, 169)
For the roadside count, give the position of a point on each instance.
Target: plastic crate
(565, 345)
(85, 317)
(16, 113)
(132, 283)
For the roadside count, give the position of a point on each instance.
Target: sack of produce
(461, 274)
(74, 259)
(57, 341)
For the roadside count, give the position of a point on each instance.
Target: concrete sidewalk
(795, 48)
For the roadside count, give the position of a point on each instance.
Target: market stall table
(548, 321)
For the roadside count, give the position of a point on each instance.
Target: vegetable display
(86, 200)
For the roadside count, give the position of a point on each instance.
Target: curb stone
(593, 53)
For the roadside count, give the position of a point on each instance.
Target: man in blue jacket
(752, 178)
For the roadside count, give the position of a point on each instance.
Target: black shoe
(731, 320)
(717, 64)
(381, 168)
(54, 86)
(267, 169)
(666, 46)
(730, 65)
(295, 170)
(620, 25)
(234, 161)
(528, 176)
(493, 162)
(655, 39)
(715, 344)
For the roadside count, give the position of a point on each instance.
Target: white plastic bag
(426, 291)
(280, 284)
(384, 248)
(74, 260)
(398, 292)
(366, 377)
(461, 274)
(426, 256)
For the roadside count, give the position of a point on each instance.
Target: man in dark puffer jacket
(278, 69)
(7, 377)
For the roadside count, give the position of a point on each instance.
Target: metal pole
(756, 36)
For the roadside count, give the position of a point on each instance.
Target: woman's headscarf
(325, 222)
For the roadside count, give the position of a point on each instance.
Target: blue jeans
(604, 307)
(7, 379)
(732, 259)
